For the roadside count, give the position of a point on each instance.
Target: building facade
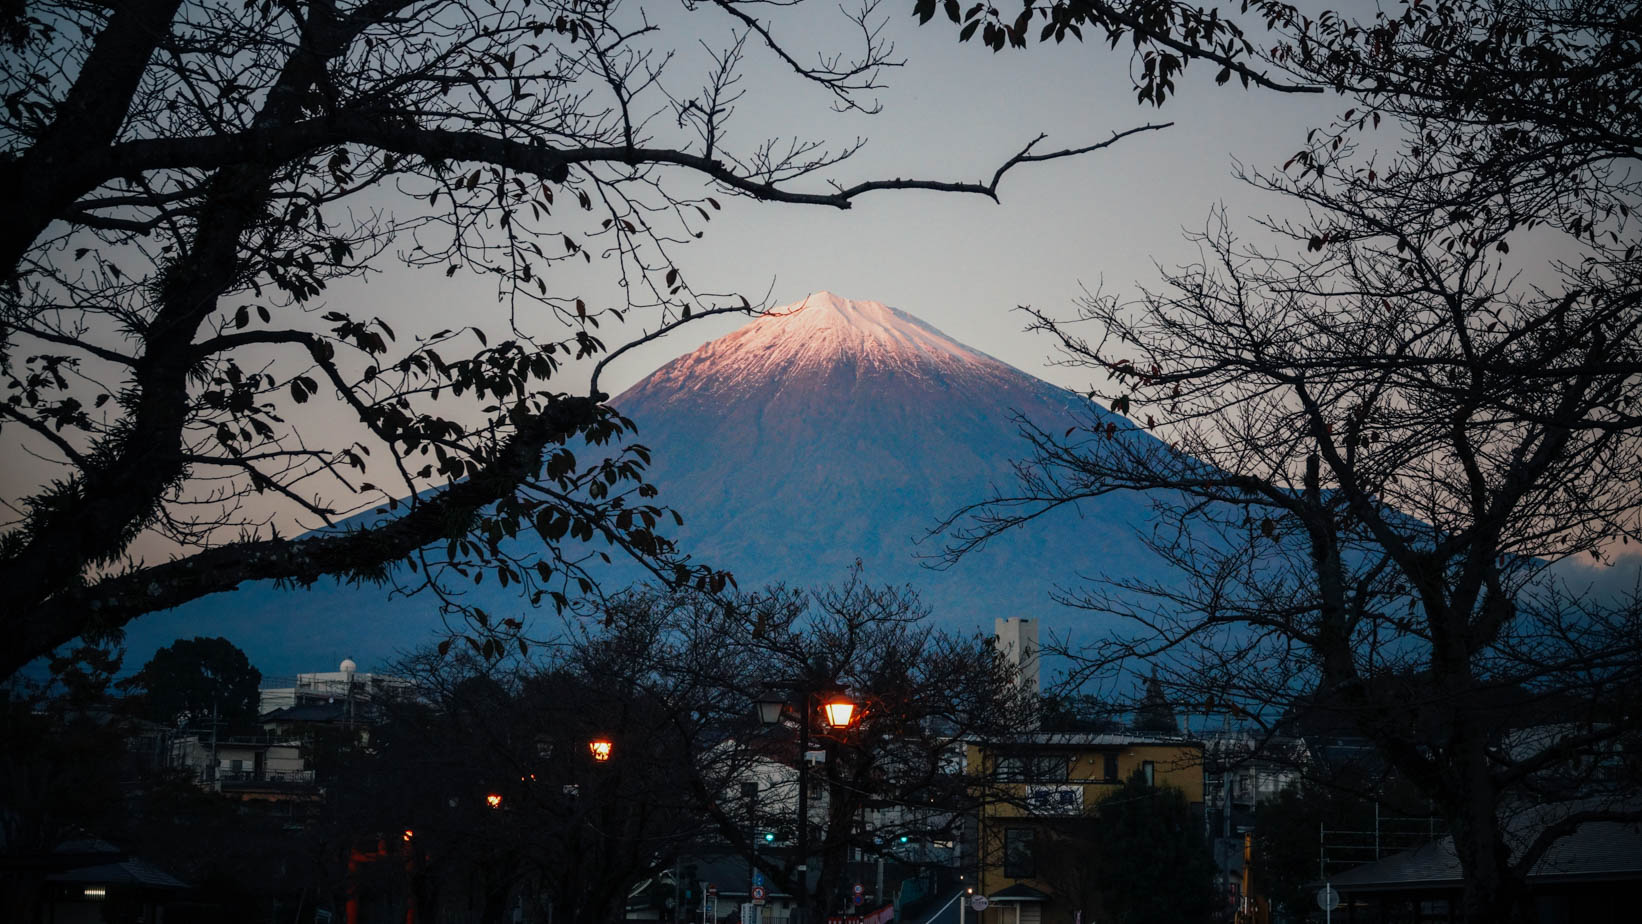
(1042, 784)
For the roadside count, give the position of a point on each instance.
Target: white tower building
(1018, 640)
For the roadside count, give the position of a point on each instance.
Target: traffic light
(904, 838)
(769, 837)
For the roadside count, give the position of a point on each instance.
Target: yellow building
(1045, 787)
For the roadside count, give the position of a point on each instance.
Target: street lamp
(600, 748)
(770, 705)
(840, 713)
(839, 710)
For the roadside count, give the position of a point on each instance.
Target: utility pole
(803, 807)
(214, 740)
(750, 791)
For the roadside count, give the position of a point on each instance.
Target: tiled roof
(1089, 739)
(1599, 850)
(124, 873)
(308, 712)
(1019, 892)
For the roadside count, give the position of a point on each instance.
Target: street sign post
(980, 902)
(758, 895)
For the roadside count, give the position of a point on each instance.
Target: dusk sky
(955, 111)
(960, 262)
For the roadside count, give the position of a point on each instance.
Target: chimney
(1018, 641)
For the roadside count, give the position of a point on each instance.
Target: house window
(1019, 844)
(1110, 770)
(1148, 771)
(1051, 768)
(1034, 768)
(1011, 767)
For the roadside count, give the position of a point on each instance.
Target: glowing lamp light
(96, 892)
(600, 748)
(409, 834)
(494, 800)
(840, 712)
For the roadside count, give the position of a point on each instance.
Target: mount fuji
(834, 430)
(822, 433)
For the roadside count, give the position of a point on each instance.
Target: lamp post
(840, 712)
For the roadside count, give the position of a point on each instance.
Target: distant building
(1018, 642)
(90, 880)
(1048, 779)
(276, 768)
(359, 694)
(1588, 877)
(271, 771)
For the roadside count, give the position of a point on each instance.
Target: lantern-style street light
(839, 710)
(494, 800)
(770, 706)
(840, 713)
(600, 748)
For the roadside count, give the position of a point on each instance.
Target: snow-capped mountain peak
(814, 336)
(828, 321)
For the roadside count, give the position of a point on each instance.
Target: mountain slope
(829, 431)
(840, 429)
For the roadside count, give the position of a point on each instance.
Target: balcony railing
(277, 778)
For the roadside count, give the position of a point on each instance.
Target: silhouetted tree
(60, 774)
(1371, 441)
(897, 771)
(195, 191)
(1155, 714)
(1136, 857)
(190, 682)
(566, 831)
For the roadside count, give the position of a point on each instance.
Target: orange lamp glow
(600, 748)
(840, 712)
(409, 834)
(494, 800)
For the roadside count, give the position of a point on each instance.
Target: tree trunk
(1494, 891)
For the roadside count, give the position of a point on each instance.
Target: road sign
(1327, 898)
(758, 895)
(858, 889)
(758, 877)
(979, 902)
(712, 890)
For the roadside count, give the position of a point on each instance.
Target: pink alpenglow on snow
(833, 430)
(814, 336)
